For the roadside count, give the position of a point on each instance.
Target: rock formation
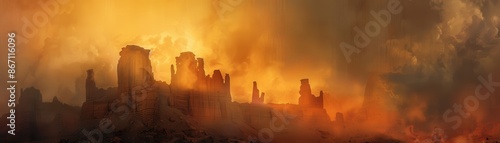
(37, 120)
(307, 99)
(136, 83)
(136, 86)
(27, 113)
(255, 94)
(197, 94)
(154, 108)
(134, 68)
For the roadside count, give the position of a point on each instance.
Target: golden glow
(90, 34)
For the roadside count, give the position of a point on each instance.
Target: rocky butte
(41, 121)
(194, 107)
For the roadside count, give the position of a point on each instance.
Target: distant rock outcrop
(194, 93)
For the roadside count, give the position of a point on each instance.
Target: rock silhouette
(194, 107)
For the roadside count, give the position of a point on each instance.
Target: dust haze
(427, 58)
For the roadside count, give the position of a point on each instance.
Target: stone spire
(255, 94)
